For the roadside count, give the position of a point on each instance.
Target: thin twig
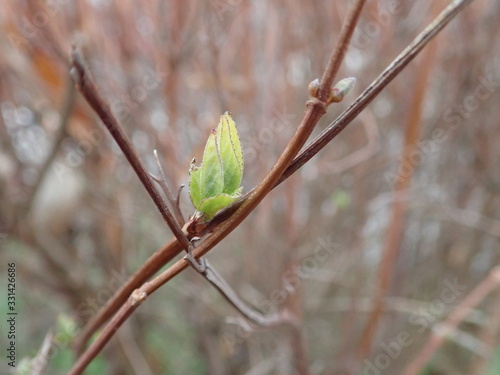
(488, 336)
(232, 297)
(206, 270)
(152, 265)
(65, 113)
(315, 109)
(437, 338)
(178, 199)
(172, 248)
(89, 90)
(39, 364)
(162, 181)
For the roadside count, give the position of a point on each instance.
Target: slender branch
(65, 113)
(39, 364)
(160, 257)
(178, 200)
(206, 270)
(89, 90)
(154, 263)
(171, 249)
(437, 338)
(162, 181)
(256, 317)
(132, 303)
(315, 109)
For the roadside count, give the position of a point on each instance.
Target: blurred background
(406, 200)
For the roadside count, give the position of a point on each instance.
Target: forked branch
(172, 248)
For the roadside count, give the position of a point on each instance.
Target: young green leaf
(211, 178)
(211, 205)
(216, 182)
(194, 185)
(230, 153)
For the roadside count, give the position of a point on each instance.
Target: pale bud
(313, 88)
(341, 89)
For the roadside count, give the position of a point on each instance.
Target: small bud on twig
(341, 89)
(313, 88)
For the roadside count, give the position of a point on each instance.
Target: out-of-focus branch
(490, 283)
(154, 263)
(40, 363)
(385, 275)
(488, 335)
(65, 113)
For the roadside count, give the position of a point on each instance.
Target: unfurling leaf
(211, 205)
(194, 185)
(211, 178)
(215, 184)
(230, 153)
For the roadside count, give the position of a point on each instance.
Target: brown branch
(488, 335)
(315, 109)
(170, 250)
(438, 336)
(162, 181)
(65, 113)
(245, 309)
(87, 87)
(161, 257)
(337, 56)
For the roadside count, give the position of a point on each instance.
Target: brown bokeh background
(76, 221)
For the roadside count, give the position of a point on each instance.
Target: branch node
(318, 103)
(137, 297)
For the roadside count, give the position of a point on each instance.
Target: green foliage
(64, 358)
(341, 199)
(66, 328)
(215, 184)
